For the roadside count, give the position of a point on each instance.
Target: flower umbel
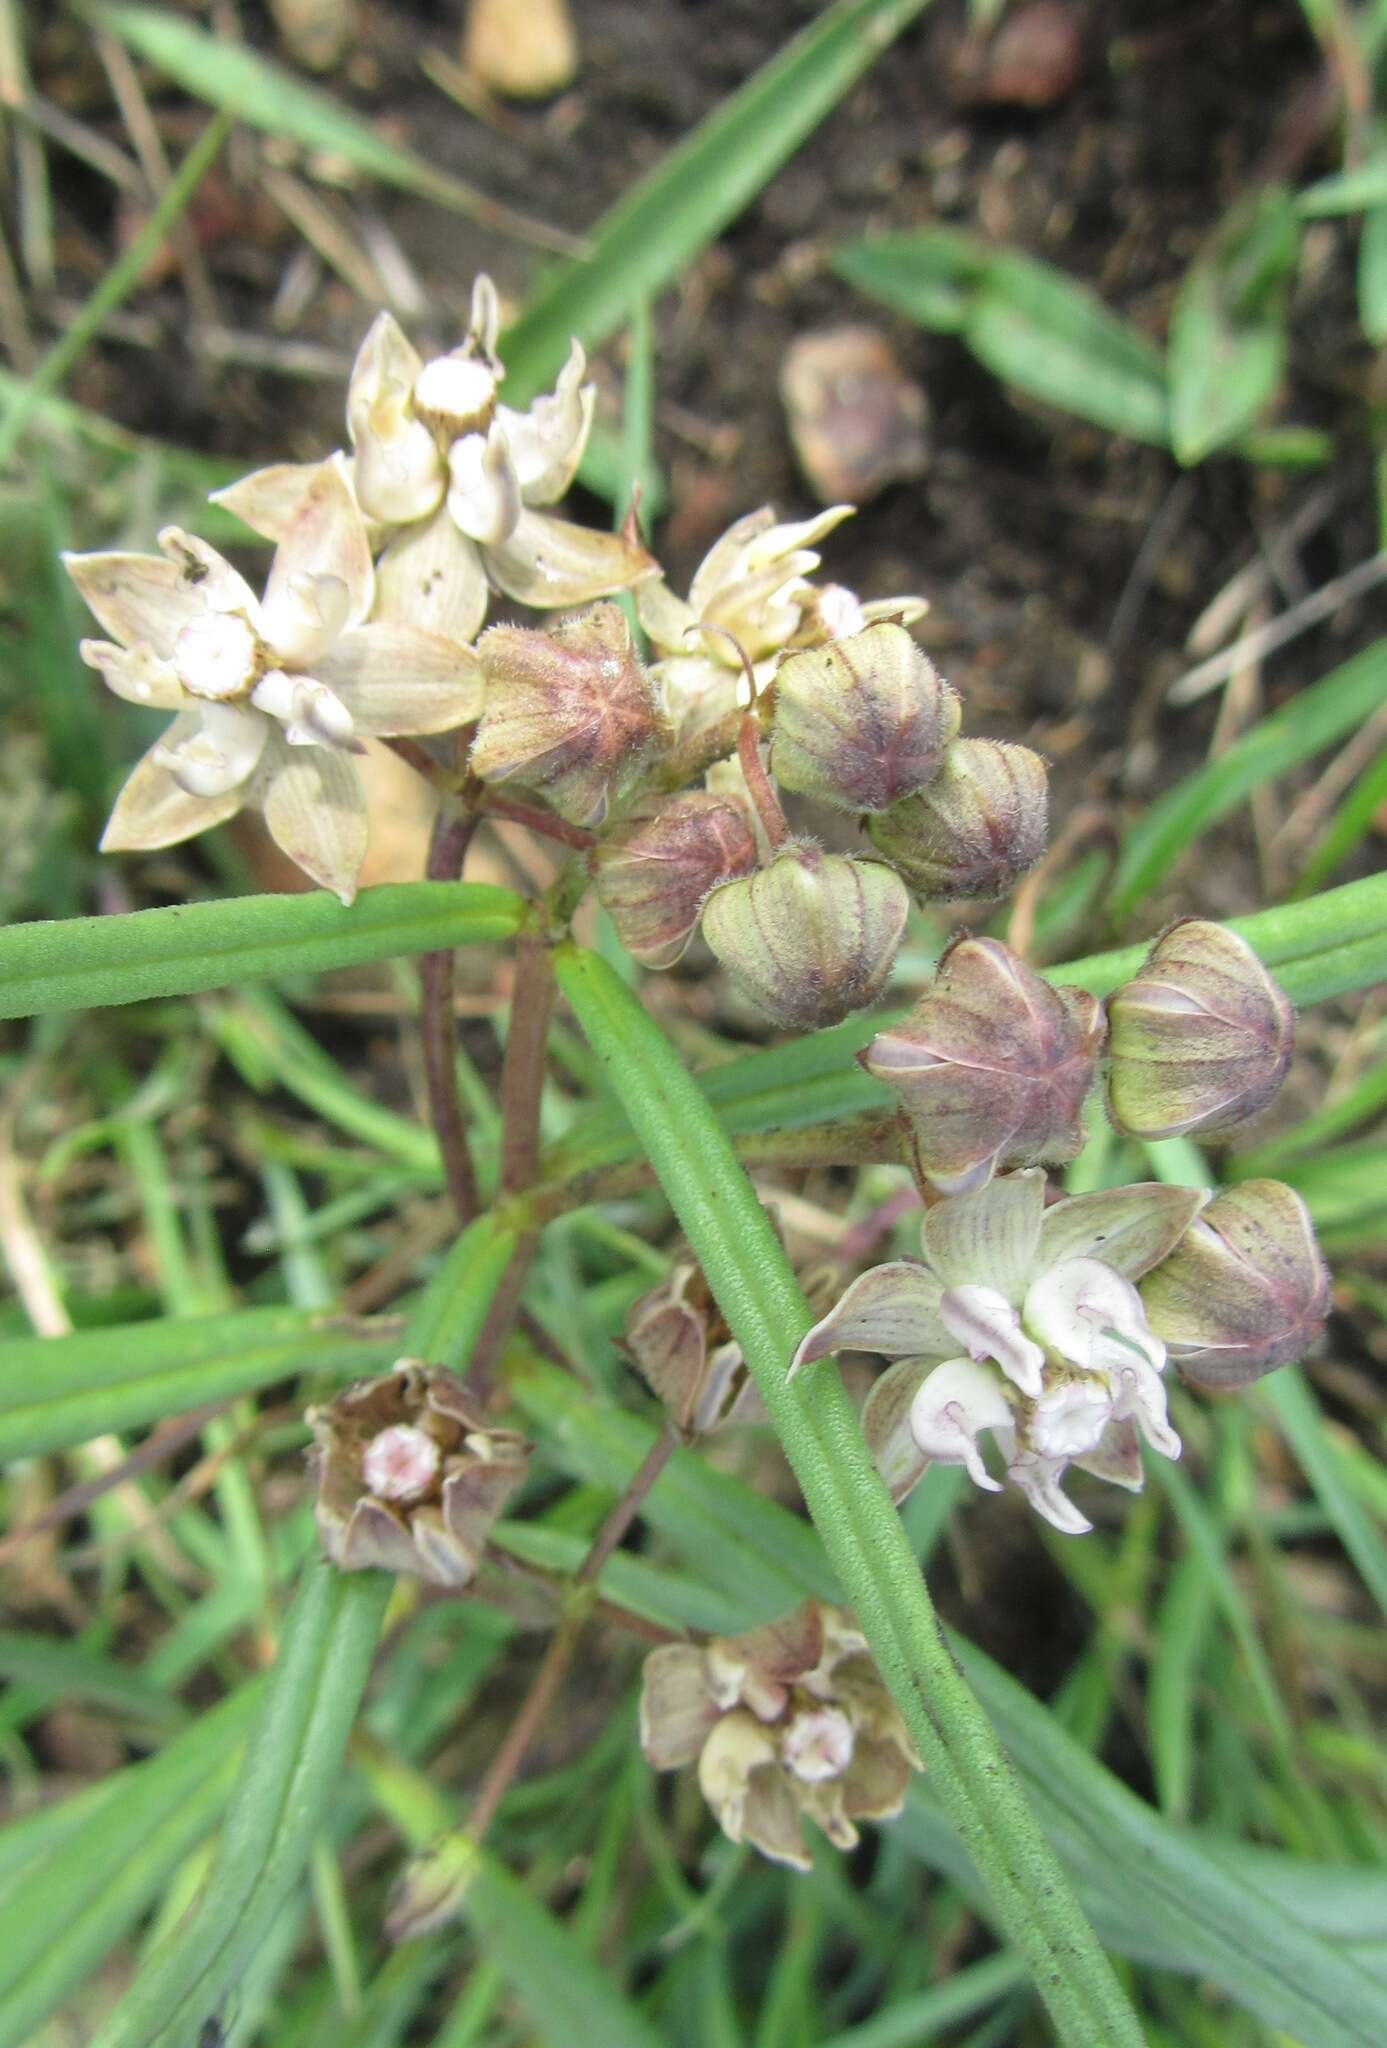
(787, 1723)
(1023, 1322)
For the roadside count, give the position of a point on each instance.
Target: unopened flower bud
(1245, 1289)
(991, 1067)
(1200, 1040)
(861, 722)
(975, 829)
(409, 1480)
(679, 1342)
(811, 937)
(568, 712)
(660, 863)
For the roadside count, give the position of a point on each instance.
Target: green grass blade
(1228, 340)
(910, 2021)
(653, 232)
(746, 1267)
(1353, 820)
(56, 1391)
(81, 962)
(1313, 719)
(1291, 1400)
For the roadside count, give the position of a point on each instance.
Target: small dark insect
(192, 571)
(211, 2034)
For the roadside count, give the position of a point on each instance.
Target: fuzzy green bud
(810, 938)
(975, 829)
(1200, 1040)
(861, 722)
(991, 1067)
(1244, 1291)
(568, 712)
(657, 867)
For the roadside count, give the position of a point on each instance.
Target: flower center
(817, 1744)
(456, 395)
(1068, 1421)
(217, 656)
(401, 1463)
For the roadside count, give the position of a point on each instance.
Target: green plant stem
(756, 1289)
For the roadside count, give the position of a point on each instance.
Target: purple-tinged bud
(862, 722)
(568, 712)
(1245, 1289)
(810, 938)
(975, 829)
(678, 1340)
(657, 867)
(409, 1480)
(1200, 1039)
(991, 1067)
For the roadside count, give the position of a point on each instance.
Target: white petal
(399, 473)
(268, 499)
(893, 1310)
(958, 1400)
(547, 563)
(312, 715)
(140, 600)
(154, 810)
(399, 679)
(325, 539)
(220, 587)
(725, 559)
(316, 813)
(457, 393)
(665, 617)
(547, 442)
(484, 321)
(134, 673)
(989, 1237)
(984, 1322)
(1069, 1419)
(1141, 1398)
(886, 1426)
(780, 542)
(431, 575)
(484, 494)
(1038, 1479)
(213, 749)
(1091, 1316)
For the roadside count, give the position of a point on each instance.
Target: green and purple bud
(655, 870)
(812, 937)
(861, 722)
(1245, 1290)
(991, 1067)
(1200, 1040)
(568, 712)
(975, 829)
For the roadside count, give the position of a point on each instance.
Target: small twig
(451, 838)
(564, 1642)
(168, 1439)
(1321, 604)
(543, 822)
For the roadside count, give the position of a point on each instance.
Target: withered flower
(810, 938)
(658, 865)
(409, 1478)
(1246, 1289)
(568, 712)
(1201, 1038)
(678, 1340)
(861, 722)
(991, 1067)
(975, 828)
(786, 1723)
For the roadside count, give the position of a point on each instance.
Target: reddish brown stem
(539, 821)
(759, 783)
(452, 836)
(554, 1665)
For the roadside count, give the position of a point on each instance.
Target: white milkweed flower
(448, 479)
(1023, 1322)
(752, 588)
(272, 695)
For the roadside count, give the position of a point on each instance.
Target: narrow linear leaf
(1291, 1400)
(81, 962)
(663, 222)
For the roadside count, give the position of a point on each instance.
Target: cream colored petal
(219, 587)
(134, 673)
(216, 750)
(386, 362)
(548, 564)
(140, 600)
(1130, 1229)
(989, 1237)
(547, 441)
(664, 617)
(399, 679)
(484, 492)
(305, 618)
(153, 810)
(952, 1406)
(779, 543)
(677, 1709)
(892, 1310)
(724, 558)
(268, 500)
(316, 813)
(326, 542)
(311, 714)
(431, 575)
(399, 474)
